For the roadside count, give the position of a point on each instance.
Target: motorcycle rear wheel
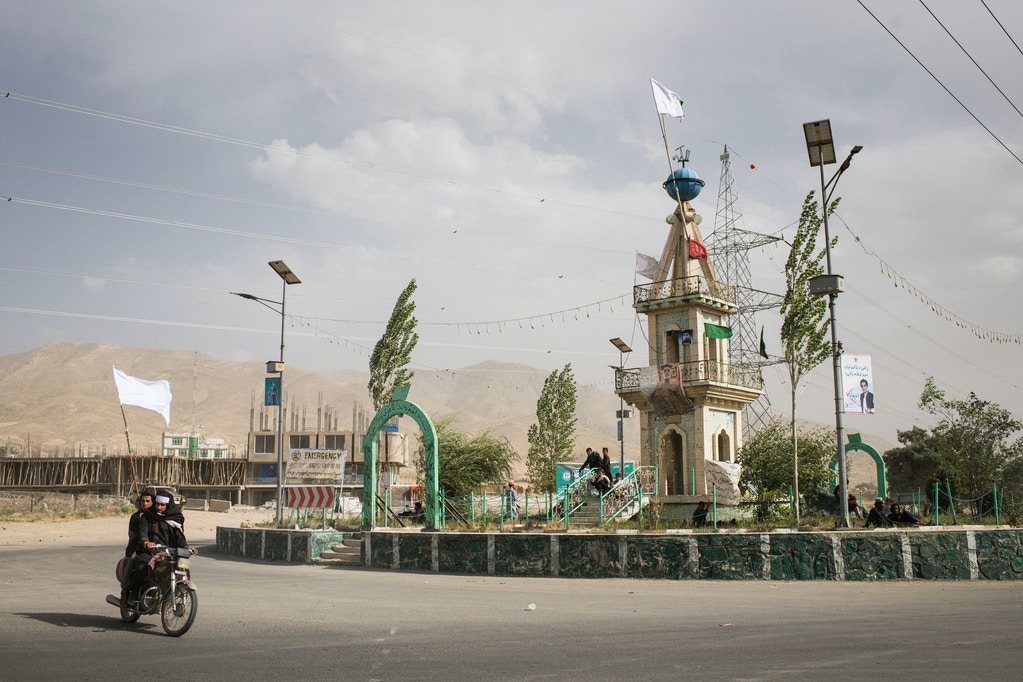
(129, 615)
(178, 612)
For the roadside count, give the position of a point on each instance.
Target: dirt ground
(200, 528)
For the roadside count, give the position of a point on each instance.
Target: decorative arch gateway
(399, 406)
(856, 443)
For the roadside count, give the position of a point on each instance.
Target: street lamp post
(623, 348)
(821, 149)
(287, 277)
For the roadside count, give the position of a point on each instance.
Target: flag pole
(678, 195)
(127, 438)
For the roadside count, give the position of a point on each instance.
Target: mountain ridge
(61, 398)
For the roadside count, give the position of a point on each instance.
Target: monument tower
(690, 398)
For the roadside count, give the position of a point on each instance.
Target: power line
(404, 225)
(943, 86)
(287, 240)
(276, 149)
(970, 56)
(1011, 39)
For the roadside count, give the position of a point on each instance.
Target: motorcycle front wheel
(178, 612)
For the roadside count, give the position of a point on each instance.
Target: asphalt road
(261, 621)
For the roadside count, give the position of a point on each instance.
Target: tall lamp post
(277, 367)
(821, 149)
(623, 348)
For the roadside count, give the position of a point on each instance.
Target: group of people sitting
(600, 466)
(158, 521)
(881, 517)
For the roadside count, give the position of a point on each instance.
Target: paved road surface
(260, 621)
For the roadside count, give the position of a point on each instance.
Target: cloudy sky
(155, 156)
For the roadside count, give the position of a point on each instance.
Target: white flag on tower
(646, 265)
(667, 101)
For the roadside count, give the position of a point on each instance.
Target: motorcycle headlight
(184, 564)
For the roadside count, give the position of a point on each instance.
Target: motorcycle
(167, 590)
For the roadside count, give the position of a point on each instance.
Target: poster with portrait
(662, 388)
(857, 384)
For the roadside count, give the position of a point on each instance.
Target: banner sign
(304, 463)
(857, 384)
(272, 391)
(662, 388)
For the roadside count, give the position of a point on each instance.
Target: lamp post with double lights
(821, 149)
(277, 367)
(623, 348)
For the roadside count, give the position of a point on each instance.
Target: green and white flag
(667, 101)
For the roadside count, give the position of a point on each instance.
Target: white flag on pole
(646, 265)
(152, 395)
(667, 101)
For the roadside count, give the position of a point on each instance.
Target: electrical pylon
(730, 245)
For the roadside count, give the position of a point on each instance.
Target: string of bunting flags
(903, 283)
(534, 321)
(483, 327)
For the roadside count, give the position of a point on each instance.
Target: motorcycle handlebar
(178, 551)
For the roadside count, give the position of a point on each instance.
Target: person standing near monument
(511, 501)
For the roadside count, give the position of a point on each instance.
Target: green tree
(917, 464)
(552, 437)
(805, 322)
(388, 365)
(765, 458)
(977, 438)
(1012, 478)
(467, 463)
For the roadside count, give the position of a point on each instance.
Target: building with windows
(322, 431)
(195, 446)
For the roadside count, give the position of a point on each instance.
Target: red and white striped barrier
(310, 496)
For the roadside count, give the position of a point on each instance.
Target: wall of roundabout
(945, 553)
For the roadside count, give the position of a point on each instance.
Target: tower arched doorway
(672, 462)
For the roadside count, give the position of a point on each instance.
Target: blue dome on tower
(683, 184)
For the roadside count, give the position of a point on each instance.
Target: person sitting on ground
(903, 517)
(700, 514)
(854, 507)
(605, 463)
(416, 510)
(601, 482)
(876, 516)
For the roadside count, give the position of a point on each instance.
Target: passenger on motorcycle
(167, 524)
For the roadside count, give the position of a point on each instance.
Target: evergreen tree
(805, 322)
(388, 365)
(552, 437)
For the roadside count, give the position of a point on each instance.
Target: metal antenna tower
(730, 245)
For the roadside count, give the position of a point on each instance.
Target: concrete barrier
(220, 505)
(912, 554)
(277, 544)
